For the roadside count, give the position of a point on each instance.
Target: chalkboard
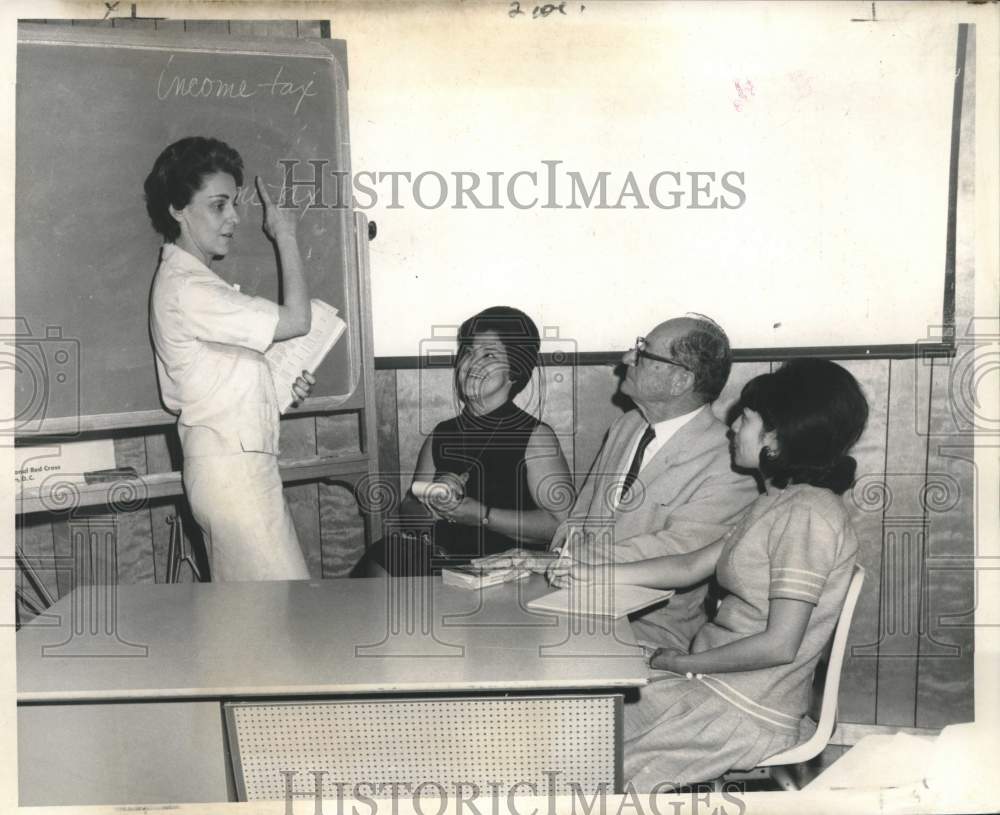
(94, 109)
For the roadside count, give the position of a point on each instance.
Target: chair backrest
(827, 718)
(826, 683)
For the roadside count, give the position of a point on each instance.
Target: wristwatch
(485, 521)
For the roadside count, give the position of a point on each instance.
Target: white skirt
(239, 503)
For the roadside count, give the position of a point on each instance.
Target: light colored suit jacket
(685, 498)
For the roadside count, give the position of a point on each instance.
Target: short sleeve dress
(795, 543)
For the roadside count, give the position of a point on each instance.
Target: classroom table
(150, 694)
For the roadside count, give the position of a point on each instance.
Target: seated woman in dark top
(508, 482)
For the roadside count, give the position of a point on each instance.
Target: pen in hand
(556, 576)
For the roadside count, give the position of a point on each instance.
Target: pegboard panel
(490, 742)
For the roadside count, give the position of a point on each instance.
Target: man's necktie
(633, 470)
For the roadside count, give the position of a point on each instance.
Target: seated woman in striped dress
(739, 695)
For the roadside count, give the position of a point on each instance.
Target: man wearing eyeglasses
(662, 483)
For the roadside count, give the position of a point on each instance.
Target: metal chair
(822, 712)
(35, 604)
(178, 552)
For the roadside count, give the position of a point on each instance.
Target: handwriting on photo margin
(539, 12)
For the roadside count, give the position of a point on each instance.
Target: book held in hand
(287, 359)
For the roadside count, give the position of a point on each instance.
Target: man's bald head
(698, 343)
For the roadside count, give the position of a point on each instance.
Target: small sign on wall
(69, 461)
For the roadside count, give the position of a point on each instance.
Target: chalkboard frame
(356, 285)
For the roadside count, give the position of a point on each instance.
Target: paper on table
(287, 359)
(600, 599)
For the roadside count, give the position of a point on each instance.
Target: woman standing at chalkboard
(209, 341)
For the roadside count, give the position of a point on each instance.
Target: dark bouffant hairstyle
(179, 172)
(705, 351)
(518, 334)
(817, 410)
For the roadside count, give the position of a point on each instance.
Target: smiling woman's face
(210, 218)
(483, 369)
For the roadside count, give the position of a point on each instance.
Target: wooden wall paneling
(903, 544)
(387, 417)
(596, 388)
(131, 514)
(424, 397)
(864, 502)
(945, 682)
(341, 523)
(338, 433)
(303, 501)
(342, 528)
(63, 550)
(158, 460)
(80, 550)
(100, 542)
(298, 441)
(552, 398)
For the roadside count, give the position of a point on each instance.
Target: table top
(293, 638)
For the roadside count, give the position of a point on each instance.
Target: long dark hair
(817, 411)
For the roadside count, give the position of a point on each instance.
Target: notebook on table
(600, 599)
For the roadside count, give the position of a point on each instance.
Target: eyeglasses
(640, 351)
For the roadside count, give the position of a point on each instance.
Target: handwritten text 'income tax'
(204, 87)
